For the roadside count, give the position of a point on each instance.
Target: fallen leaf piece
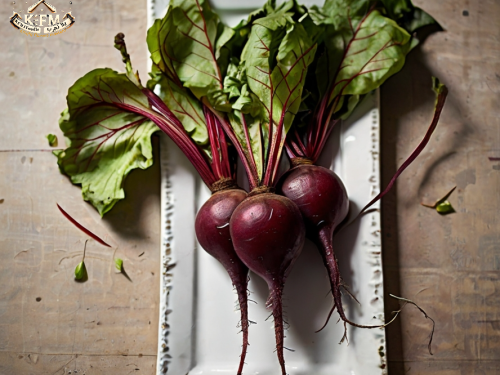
(81, 227)
(2, 200)
(442, 206)
(80, 271)
(439, 201)
(52, 138)
(119, 264)
(445, 208)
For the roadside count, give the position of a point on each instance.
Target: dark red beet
(212, 231)
(322, 199)
(268, 235)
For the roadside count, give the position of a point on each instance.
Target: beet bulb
(322, 199)
(268, 235)
(212, 231)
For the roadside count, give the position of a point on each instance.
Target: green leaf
(52, 138)
(236, 88)
(80, 271)
(442, 205)
(106, 139)
(376, 50)
(184, 106)
(190, 37)
(365, 43)
(258, 142)
(119, 264)
(407, 15)
(159, 56)
(352, 102)
(276, 59)
(445, 208)
(194, 49)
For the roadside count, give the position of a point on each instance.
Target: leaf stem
(250, 168)
(122, 47)
(441, 99)
(84, 249)
(439, 201)
(247, 138)
(81, 227)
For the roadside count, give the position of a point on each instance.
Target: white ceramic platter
(198, 331)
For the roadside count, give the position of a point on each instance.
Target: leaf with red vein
(190, 37)
(105, 142)
(277, 56)
(296, 52)
(361, 49)
(81, 227)
(184, 106)
(407, 15)
(248, 131)
(376, 51)
(108, 125)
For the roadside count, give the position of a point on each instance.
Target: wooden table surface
(50, 324)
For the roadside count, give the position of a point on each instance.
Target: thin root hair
(345, 335)
(350, 293)
(328, 318)
(407, 301)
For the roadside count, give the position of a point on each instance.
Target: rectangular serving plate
(198, 331)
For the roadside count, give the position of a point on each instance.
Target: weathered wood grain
(36, 73)
(448, 264)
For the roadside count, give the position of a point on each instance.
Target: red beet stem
(440, 100)
(81, 227)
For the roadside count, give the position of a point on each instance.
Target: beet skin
(268, 235)
(212, 231)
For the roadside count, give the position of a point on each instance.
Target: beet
(212, 231)
(322, 199)
(268, 235)
(320, 194)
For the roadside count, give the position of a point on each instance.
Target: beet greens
(281, 79)
(361, 47)
(267, 230)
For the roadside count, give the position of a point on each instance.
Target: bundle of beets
(280, 79)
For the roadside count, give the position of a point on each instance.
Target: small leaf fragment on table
(80, 271)
(52, 138)
(442, 206)
(445, 208)
(119, 264)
